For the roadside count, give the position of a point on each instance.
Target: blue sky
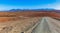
(29, 4)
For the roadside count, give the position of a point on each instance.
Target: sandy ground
(18, 26)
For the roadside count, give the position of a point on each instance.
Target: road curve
(48, 25)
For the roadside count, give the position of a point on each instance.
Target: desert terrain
(21, 22)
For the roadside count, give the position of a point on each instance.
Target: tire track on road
(42, 27)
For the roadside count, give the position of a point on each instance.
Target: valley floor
(45, 25)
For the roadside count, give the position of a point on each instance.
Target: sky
(29, 4)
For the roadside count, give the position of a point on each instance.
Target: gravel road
(48, 25)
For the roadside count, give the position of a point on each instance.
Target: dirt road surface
(48, 25)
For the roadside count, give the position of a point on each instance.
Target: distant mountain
(57, 11)
(16, 10)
